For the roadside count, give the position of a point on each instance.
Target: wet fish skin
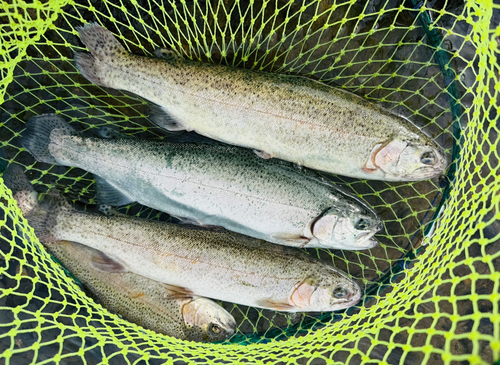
(141, 300)
(22, 190)
(212, 185)
(144, 301)
(221, 265)
(288, 117)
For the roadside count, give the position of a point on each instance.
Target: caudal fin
(42, 217)
(22, 190)
(45, 218)
(103, 46)
(89, 68)
(36, 137)
(100, 41)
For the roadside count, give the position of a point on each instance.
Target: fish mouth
(349, 302)
(365, 241)
(370, 243)
(346, 304)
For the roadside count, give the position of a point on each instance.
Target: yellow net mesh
(432, 292)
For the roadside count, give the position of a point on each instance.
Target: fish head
(207, 321)
(408, 159)
(334, 292)
(348, 225)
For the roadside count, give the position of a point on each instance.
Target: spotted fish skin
(288, 117)
(217, 264)
(144, 301)
(154, 305)
(211, 185)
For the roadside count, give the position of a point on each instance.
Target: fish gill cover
(431, 291)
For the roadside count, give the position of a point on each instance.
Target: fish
(288, 117)
(140, 300)
(143, 301)
(222, 265)
(211, 185)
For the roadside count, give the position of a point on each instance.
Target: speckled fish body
(221, 265)
(149, 303)
(212, 185)
(288, 117)
(144, 301)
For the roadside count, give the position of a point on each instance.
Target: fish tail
(41, 216)
(45, 218)
(40, 131)
(103, 46)
(88, 67)
(22, 189)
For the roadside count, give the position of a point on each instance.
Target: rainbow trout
(221, 265)
(140, 300)
(289, 117)
(144, 301)
(211, 185)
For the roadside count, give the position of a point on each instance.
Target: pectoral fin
(193, 222)
(103, 262)
(177, 292)
(107, 193)
(160, 117)
(288, 239)
(268, 303)
(262, 154)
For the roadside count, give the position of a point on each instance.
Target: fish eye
(428, 158)
(339, 292)
(362, 224)
(215, 328)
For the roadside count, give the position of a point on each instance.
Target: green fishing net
(432, 286)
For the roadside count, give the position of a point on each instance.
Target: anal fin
(287, 239)
(107, 193)
(177, 292)
(268, 303)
